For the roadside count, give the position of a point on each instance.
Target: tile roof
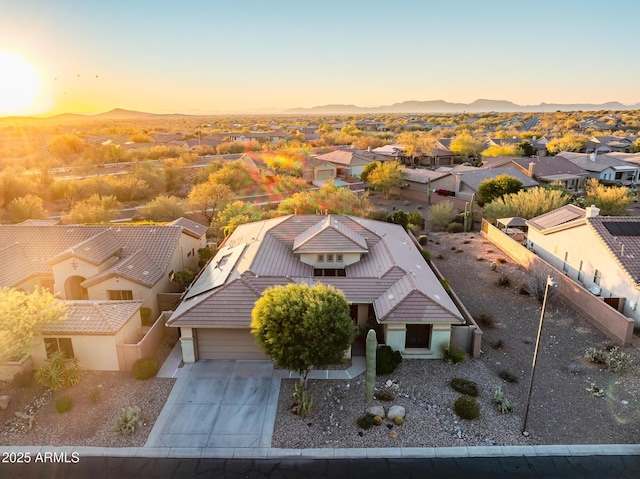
(329, 235)
(269, 259)
(143, 250)
(419, 175)
(547, 166)
(94, 317)
(351, 157)
(190, 227)
(625, 248)
(16, 266)
(596, 163)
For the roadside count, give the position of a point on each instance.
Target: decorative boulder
(4, 402)
(395, 411)
(375, 411)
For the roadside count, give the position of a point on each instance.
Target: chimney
(592, 156)
(592, 211)
(530, 170)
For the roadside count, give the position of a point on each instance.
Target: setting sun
(19, 83)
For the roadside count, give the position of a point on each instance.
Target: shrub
(400, 218)
(423, 240)
(503, 280)
(426, 255)
(145, 368)
(498, 344)
(486, 320)
(365, 422)
(465, 386)
(59, 372)
(467, 407)
(416, 218)
(445, 285)
(63, 403)
(387, 360)
(94, 394)
(451, 354)
(455, 228)
(508, 376)
(145, 316)
(459, 218)
(537, 285)
(128, 421)
(441, 214)
(614, 359)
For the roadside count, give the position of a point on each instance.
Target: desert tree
(493, 188)
(24, 315)
(24, 208)
(95, 209)
(208, 198)
(386, 176)
(612, 200)
(162, 208)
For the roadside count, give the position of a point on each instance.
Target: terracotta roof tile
(94, 317)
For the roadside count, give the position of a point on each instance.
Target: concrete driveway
(219, 404)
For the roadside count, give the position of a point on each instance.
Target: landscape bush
(455, 228)
(426, 254)
(452, 354)
(485, 319)
(503, 281)
(365, 422)
(423, 240)
(63, 403)
(467, 407)
(387, 360)
(145, 368)
(128, 421)
(612, 358)
(464, 386)
(508, 376)
(504, 406)
(441, 214)
(59, 372)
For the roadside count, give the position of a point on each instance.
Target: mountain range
(431, 106)
(478, 106)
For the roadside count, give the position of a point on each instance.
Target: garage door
(228, 344)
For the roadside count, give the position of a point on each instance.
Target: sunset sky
(257, 55)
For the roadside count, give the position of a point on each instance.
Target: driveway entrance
(219, 404)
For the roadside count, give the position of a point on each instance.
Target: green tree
(526, 203)
(301, 327)
(493, 188)
(386, 176)
(233, 215)
(162, 208)
(24, 315)
(416, 144)
(24, 208)
(96, 209)
(207, 198)
(612, 200)
(364, 176)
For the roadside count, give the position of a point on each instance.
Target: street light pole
(550, 282)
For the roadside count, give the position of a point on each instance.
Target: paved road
(561, 467)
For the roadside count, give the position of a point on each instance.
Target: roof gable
(329, 235)
(621, 236)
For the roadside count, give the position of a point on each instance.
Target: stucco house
(600, 252)
(375, 264)
(351, 162)
(102, 262)
(91, 332)
(605, 168)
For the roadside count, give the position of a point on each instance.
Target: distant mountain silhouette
(481, 105)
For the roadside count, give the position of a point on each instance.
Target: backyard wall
(147, 346)
(612, 323)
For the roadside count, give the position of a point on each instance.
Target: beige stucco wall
(396, 335)
(130, 332)
(93, 352)
(594, 256)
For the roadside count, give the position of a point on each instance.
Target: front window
(320, 258)
(329, 258)
(418, 336)
(565, 265)
(329, 272)
(580, 273)
(597, 277)
(120, 294)
(53, 345)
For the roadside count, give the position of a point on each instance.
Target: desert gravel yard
(561, 412)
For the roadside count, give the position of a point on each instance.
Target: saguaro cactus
(372, 344)
(468, 214)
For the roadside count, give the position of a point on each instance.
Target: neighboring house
(418, 182)
(549, 170)
(467, 182)
(606, 168)
(318, 171)
(375, 264)
(107, 262)
(350, 162)
(606, 144)
(91, 332)
(601, 252)
(256, 162)
(369, 125)
(259, 136)
(394, 152)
